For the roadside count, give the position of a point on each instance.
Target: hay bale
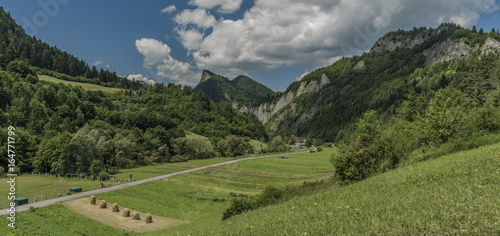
(148, 218)
(103, 204)
(114, 208)
(92, 200)
(136, 215)
(126, 212)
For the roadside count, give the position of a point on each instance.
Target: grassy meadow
(199, 197)
(455, 194)
(86, 86)
(39, 185)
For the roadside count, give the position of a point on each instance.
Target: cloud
(190, 39)
(278, 33)
(198, 17)
(154, 51)
(157, 56)
(96, 63)
(139, 77)
(107, 66)
(302, 75)
(225, 6)
(169, 9)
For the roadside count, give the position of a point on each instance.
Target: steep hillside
(61, 128)
(452, 195)
(325, 103)
(18, 50)
(241, 91)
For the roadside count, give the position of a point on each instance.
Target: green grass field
(199, 197)
(86, 86)
(48, 187)
(453, 195)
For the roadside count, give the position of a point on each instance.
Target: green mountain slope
(325, 103)
(452, 195)
(17, 47)
(242, 89)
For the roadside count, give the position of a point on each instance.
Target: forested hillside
(242, 90)
(402, 66)
(62, 128)
(19, 50)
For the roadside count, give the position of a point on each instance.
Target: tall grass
(452, 195)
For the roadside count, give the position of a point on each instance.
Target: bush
(238, 206)
(269, 196)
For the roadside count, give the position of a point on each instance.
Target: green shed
(20, 201)
(75, 189)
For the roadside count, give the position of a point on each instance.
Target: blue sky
(274, 42)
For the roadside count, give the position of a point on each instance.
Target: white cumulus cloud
(278, 33)
(225, 6)
(157, 56)
(169, 9)
(140, 77)
(198, 17)
(302, 75)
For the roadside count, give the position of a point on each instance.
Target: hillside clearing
(92, 87)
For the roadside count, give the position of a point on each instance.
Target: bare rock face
(447, 51)
(360, 65)
(265, 111)
(391, 45)
(205, 76)
(491, 46)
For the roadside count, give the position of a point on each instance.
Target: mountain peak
(206, 75)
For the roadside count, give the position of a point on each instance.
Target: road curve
(103, 190)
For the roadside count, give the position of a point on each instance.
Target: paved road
(103, 190)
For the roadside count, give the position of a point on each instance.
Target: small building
(20, 201)
(75, 189)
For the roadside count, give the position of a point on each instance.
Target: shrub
(238, 206)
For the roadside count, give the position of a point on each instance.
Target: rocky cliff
(266, 110)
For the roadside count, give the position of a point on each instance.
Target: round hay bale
(114, 208)
(148, 218)
(136, 215)
(103, 204)
(126, 212)
(92, 200)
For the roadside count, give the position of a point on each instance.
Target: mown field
(198, 197)
(48, 187)
(453, 195)
(86, 86)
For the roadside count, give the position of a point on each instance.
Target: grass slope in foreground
(453, 195)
